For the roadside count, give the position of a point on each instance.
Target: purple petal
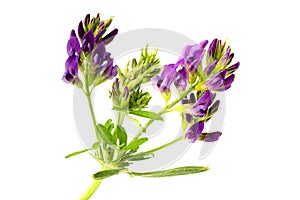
(199, 109)
(73, 34)
(210, 67)
(155, 81)
(73, 46)
(212, 137)
(80, 30)
(168, 74)
(88, 42)
(194, 131)
(181, 79)
(228, 81)
(186, 50)
(87, 20)
(203, 43)
(217, 81)
(109, 37)
(188, 118)
(233, 68)
(71, 67)
(99, 54)
(212, 47)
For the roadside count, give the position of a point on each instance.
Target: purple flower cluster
(217, 76)
(91, 35)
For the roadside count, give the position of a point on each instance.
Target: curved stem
(165, 145)
(91, 190)
(163, 111)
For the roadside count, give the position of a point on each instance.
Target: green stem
(164, 146)
(91, 190)
(88, 95)
(96, 183)
(163, 111)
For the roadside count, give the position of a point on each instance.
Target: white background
(257, 157)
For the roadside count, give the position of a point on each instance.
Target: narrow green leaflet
(135, 121)
(105, 134)
(121, 135)
(146, 114)
(139, 156)
(172, 172)
(105, 174)
(76, 153)
(109, 125)
(135, 144)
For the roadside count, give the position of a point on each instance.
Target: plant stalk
(163, 111)
(91, 190)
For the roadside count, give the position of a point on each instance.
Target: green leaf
(105, 134)
(139, 156)
(135, 144)
(121, 135)
(146, 114)
(96, 145)
(76, 153)
(172, 172)
(109, 125)
(105, 174)
(135, 121)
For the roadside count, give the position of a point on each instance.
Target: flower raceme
(88, 53)
(216, 76)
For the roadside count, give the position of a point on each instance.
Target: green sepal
(146, 114)
(172, 172)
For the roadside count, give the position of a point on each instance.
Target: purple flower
(88, 42)
(181, 79)
(73, 46)
(199, 109)
(219, 82)
(193, 54)
(210, 137)
(164, 81)
(71, 73)
(104, 66)
(194, 131)
(71, 66)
